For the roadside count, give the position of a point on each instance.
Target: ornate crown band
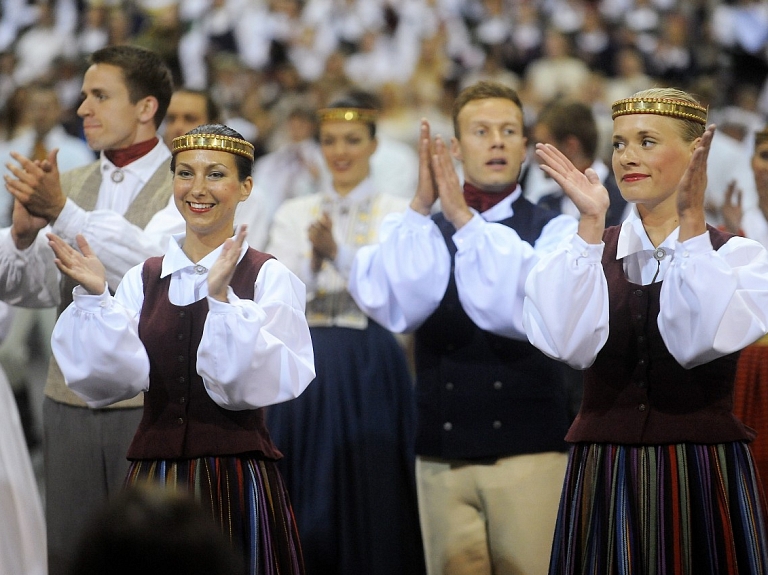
(212, 142)
(661, 106)
(348, 115)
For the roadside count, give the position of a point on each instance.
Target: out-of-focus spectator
(557, 73)
(38, 47)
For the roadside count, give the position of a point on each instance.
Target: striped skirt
(661, 510)
(245, 496)
(750, 401)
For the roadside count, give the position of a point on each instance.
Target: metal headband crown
(661, 106)
(348, 115)
(212, 142)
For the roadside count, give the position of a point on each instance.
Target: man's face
(491, 145)
(186, 111)
(110, 120)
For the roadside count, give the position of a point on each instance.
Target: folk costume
(206, 368)
(660, 478)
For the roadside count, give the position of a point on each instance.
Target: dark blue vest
(480, 395)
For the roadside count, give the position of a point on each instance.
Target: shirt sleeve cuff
(70, 222)
(579, 248)
(698, 245)
(472, 229)
(414, 219)
(91, 303)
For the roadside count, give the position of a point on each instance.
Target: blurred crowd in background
(263, 59)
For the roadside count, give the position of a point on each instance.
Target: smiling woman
(208, 349)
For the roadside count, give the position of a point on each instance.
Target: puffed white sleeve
(713, 302)
(96, 343)
(255, 353)
(565, 313)
(29, 277)
(401, 280)
(492, 265)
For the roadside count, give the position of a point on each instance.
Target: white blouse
(401, 281)
(253, 353)
(713, 303)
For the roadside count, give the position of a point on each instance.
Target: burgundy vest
(180, 419)
(635, 392)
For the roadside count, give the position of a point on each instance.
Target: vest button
(182, 314)
(639, 317)
(182, 379)
(497, 424)
(180, 421)
(181, 359)
(180, 336)
(641, 362)
(449, 386)
(638, 292)
(447, 426)
(182, 399)
(497, 385)
(641, 407)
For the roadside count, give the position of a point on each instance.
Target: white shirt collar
(363, 190)
(633, 237)
(503, 209)
(176, 260)
(143, 168)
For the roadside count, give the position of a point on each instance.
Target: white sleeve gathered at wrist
(565, 313)
(70, 222)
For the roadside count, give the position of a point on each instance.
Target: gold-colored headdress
(761, 137)
(212, 142)
(671, 107)
(348, 115)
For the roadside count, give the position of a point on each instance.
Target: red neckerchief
(125, 156)
(482, 201)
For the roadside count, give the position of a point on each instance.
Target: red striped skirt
(661, 510)
(245, 496)
(750, 401)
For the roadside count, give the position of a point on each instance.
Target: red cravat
(125, 156)
(482, 201)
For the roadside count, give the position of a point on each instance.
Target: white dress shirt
(712, 302)
(401, 281)
(252, 353)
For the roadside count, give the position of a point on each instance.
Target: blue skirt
(348, 446)
(245, 496)
(661, 510)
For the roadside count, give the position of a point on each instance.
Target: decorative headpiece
(364, 115)
(761, 137)
(212, 142)
(661, 106)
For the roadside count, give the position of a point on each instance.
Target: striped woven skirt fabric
(661, 510)
(247, 498)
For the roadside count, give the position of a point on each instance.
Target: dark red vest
(180, 420)
(635, 392)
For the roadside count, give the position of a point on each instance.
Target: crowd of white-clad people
(261, 58)
(268, 65)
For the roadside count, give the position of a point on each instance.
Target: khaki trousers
(495, 519)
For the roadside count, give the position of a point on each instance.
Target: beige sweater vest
(81, 185)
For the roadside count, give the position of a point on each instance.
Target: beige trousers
(495, 519)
